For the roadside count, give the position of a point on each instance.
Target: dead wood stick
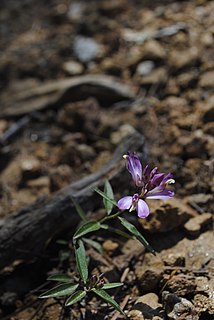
(23, 235)
(53, 94)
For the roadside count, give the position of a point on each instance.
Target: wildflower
(151, 185)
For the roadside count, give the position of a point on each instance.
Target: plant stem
(111, 217)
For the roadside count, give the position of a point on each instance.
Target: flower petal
(134, 167)
(125, 203)
(157, 179)
(166, 194)
(142, 209)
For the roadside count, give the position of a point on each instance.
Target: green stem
(111, 217)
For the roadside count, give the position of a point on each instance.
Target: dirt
(155, 62)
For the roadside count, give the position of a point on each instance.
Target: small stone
(207, 79)
(30, 165)
(181, 284)
(85, 48)
(76, 10)
(149, 273)
(179, 59)
(153, 50)
(73, 67)
(174, 259)
(148, 307)
(178, 308)
(39, 182)
(85, 152)
(110, 245)
(158, 75)
(205, 303)
(145, 67)
(194, 225)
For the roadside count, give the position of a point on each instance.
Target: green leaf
(81, 260)
(137, 234)
(109, 193)
(94, 244)
(120, 232)
(112, 285)
(104, 226)
(107, 298)
(87, 227)
(77, 296)
(60, 290)
(105, 196)
(60, 278)
(80, 211)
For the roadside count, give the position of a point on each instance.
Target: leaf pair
(67, 288)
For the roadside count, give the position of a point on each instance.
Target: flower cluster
(150, 183)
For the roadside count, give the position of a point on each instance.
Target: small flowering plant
(149, 185)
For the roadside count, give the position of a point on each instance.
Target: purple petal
(153, 172)
(166, 178)
(166, 194)
(157, 179)
(146, 172)
(142, 209)
(134, 167)
(125, 203)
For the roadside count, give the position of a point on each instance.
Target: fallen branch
(104, 88)
(23, 235)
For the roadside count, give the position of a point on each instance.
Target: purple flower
(134, 167)
(151, 184)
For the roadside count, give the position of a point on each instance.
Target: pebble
(147, 307)
(178, 308)
(207, 79)
(85, 48)
(73, 67)
(110, 245)
(179, 59)
(145, 67)
(194, 225)
(149, 273)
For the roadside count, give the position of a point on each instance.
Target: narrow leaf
(60, 291)
(105, 196)
(94, 244)
(80, 211)
(77, 296)
(107, 298)
(137, 234)
(112, 285)
(61, 278)
(120, 232)
(86, 228)
(81, 260)
(109, 193)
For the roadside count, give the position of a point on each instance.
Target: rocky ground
(78, 77)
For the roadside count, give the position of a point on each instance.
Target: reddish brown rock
(149, 273)
(194, 225)
(166, 215)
